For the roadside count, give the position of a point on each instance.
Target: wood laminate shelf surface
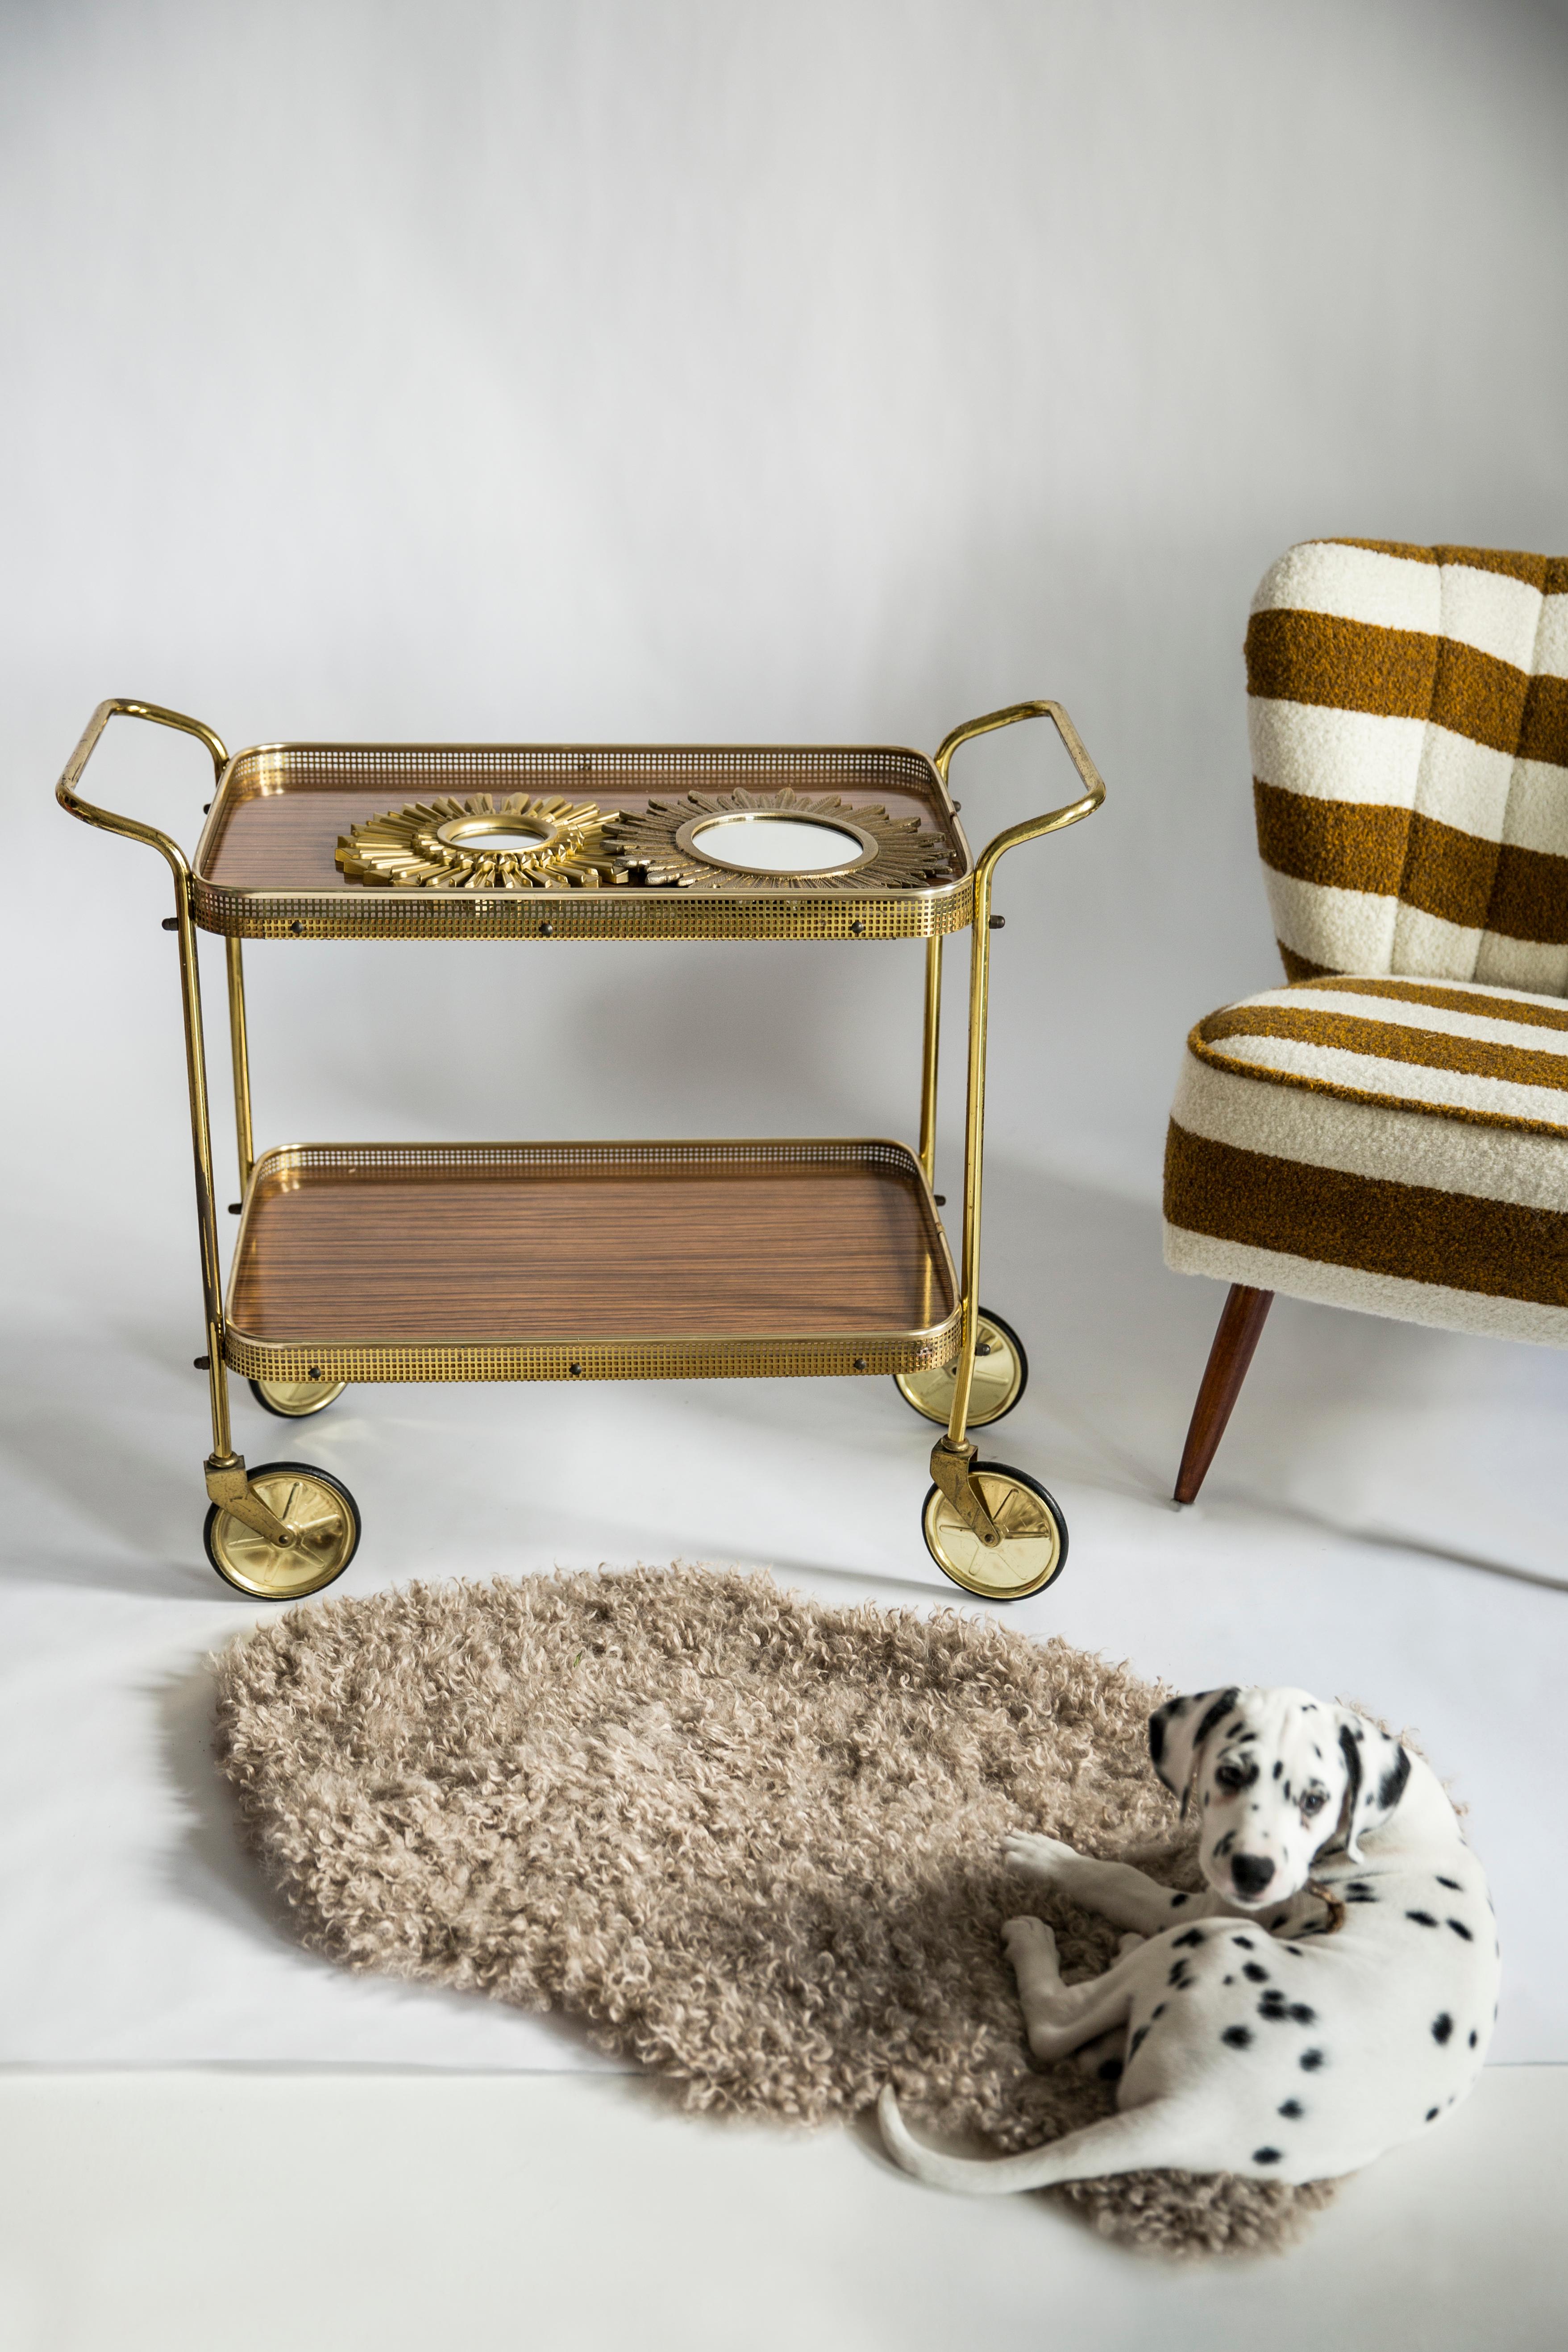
(277, 820)
(526, 1251)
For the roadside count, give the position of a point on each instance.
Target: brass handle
(122, 706)
(1034, 827)
(951, 1462)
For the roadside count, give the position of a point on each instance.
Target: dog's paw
(1027, 1939)
(1042, 1857)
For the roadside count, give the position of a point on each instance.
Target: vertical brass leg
(952, 1455)
(240, 1055)
(929, 1044)
(973, 1153)
(201, 1152)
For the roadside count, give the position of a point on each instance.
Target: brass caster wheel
(1001, 1375)
(296, 1400)
(1034, 1546)
(322, 1520)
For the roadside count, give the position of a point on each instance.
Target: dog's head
(1276, 1775)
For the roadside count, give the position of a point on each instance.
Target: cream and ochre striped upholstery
(1391, 1131)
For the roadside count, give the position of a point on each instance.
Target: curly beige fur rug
(754, 1840)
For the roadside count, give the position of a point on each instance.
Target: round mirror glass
(475, 832)
(777, 845)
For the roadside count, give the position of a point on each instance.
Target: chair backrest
(1408, 711)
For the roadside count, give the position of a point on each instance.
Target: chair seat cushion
(1396, 1145)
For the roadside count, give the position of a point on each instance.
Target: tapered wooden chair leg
(1240, 1329)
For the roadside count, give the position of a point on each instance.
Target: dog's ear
(1377, 1769)
(1178, 1730)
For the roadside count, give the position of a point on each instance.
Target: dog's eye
(1230, 1776)
(1314, 1801)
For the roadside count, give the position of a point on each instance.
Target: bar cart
(486, 1261)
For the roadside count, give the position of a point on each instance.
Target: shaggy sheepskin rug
(755, 1842)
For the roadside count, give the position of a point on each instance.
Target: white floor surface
(370, 2213)
(1384, 1522)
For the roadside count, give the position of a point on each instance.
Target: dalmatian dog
(1331, 1993)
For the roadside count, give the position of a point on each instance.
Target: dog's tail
(1128, 2142)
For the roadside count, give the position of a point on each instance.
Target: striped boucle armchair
(1391, 1130)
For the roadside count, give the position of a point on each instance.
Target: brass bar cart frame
(285, 1530)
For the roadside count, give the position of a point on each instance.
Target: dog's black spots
(1109, 2070)
(1157, 1736)
(1272, 2006)
(1360, 1894)
(1352, 1755)
(1158, 2010)
(1473, 2039)
(1452, 1882)
(1459, 1929)
(1265, 2155)
(1293, 2109)
(1391, 1786)
(1235, 1728)
(1177, 1978)
(1254, 1973)
(1279, 1767)
(1136, 2043)
(1244, 1738)
(1245, 1941)
(1311, 2060)
(1177, 1901)
(1442, 2026)
(1192, 1936)
(1205, 1796)
(1432, 2113)
(1239, 2037)
(1222, 1705)
(1227, 1981)
(1422, 1918)
(1301, 2015)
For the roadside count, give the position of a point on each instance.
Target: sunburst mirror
(782, 841)
(523, 844)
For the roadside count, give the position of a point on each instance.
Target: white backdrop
(759, 371)
(745, 371)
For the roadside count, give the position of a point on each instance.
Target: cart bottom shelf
(589, 1261)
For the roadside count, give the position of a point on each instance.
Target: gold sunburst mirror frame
(474, 844)
(697, 842)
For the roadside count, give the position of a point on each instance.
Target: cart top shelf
(581, 841)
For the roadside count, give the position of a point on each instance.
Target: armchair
(1389, 1131)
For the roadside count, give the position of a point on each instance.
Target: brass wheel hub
(998, 1383)
(297, 1399)
(321, 1531)
(1034, 1537)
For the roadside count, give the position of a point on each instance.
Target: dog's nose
(1252, 1872)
